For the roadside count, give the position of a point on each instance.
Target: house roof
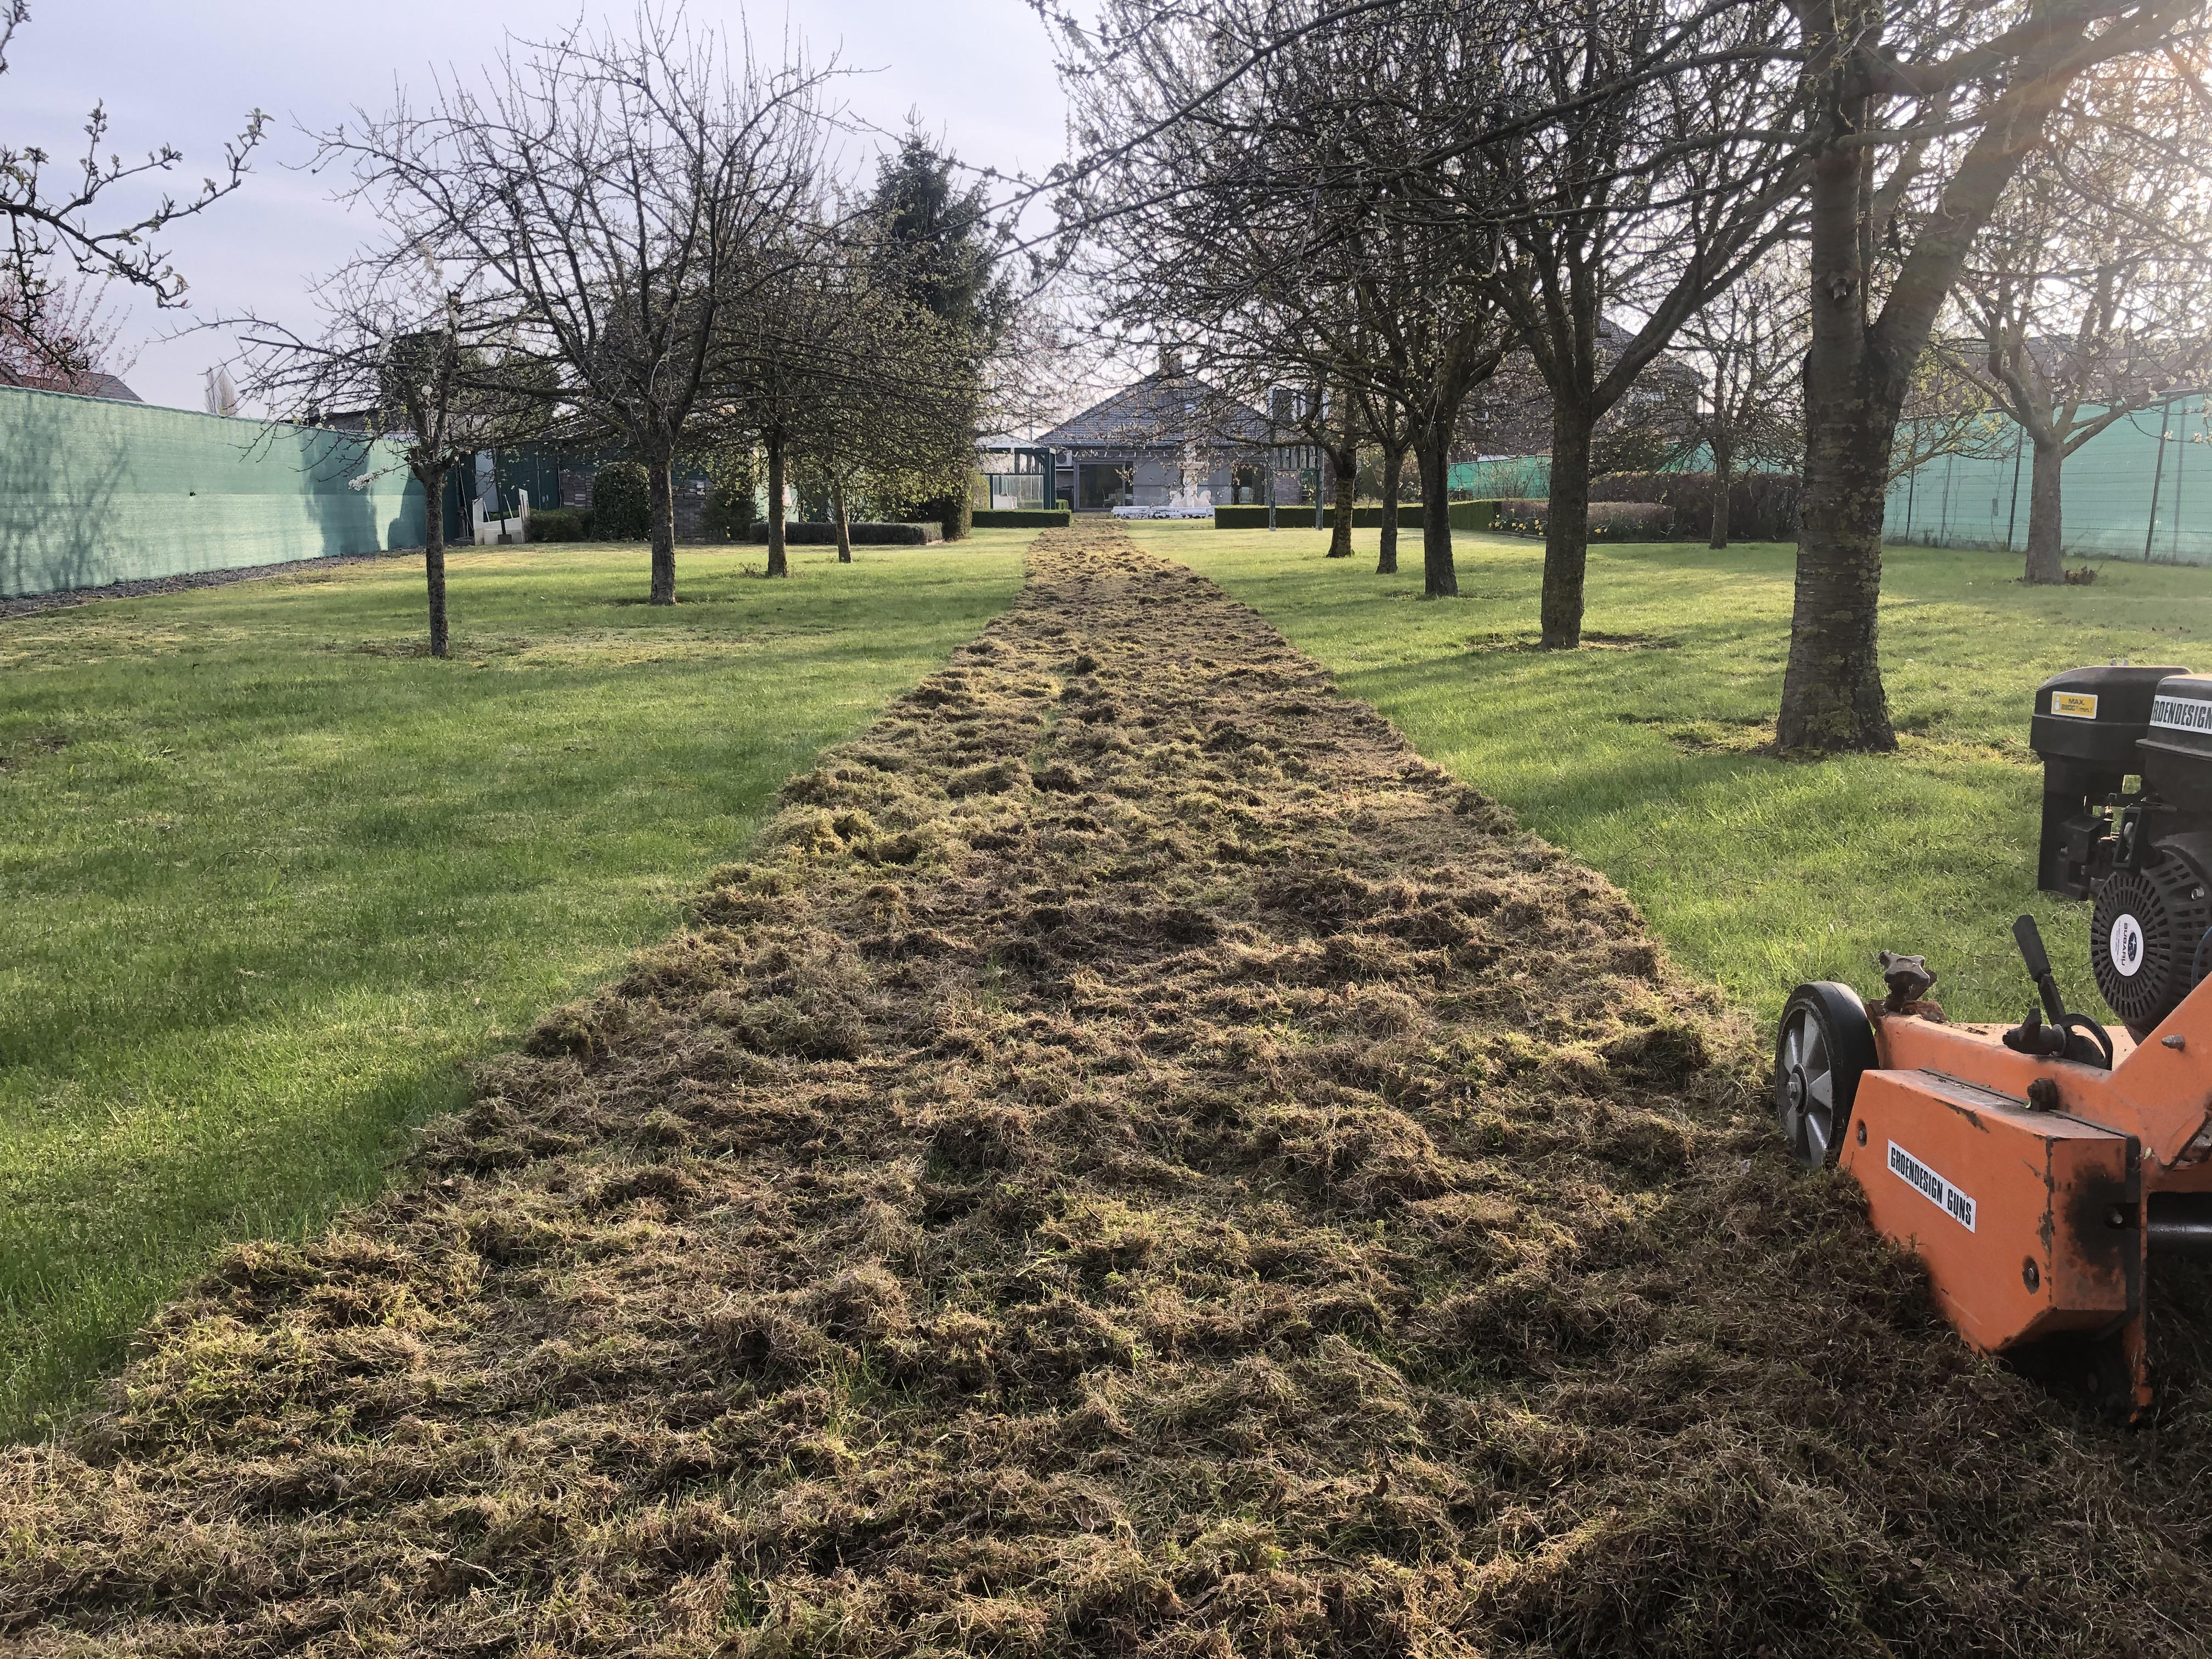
(1161, 412)
(96, 384)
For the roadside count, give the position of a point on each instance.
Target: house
(1170, 440)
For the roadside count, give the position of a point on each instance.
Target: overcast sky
(186, 72)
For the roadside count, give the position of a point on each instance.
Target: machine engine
(2127, 818)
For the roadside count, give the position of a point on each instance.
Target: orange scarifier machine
(2041, 1170)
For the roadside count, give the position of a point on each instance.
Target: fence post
(2157, 477)
(2011, 523)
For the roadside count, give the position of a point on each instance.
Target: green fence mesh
(92, 492)
(2141, 488)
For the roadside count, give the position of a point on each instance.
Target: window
(1102, 484)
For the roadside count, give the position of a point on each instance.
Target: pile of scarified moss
(1142, 1163)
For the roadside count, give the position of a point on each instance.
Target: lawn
(271, 877)
(1639, 754)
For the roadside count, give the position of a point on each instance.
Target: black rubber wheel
(1826, 1044)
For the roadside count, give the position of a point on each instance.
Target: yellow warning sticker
(2082, 705)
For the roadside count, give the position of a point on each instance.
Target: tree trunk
(1440, 581)
(1394, 463)
(778, 564)
(1724, 487)
(434, 558)
(1832, 691)
(1344, 463)
(660, 484)
(1566, 527)
(844, 523)
(2046, 560)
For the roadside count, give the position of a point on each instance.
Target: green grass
(1757, 873)
(267, 877)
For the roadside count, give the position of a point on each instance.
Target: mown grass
(1640, 754)
(268, 877)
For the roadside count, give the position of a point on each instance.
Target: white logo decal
(2127, 945)
(1937, 1191)
(2182, 713)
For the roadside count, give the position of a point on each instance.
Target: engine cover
(2143, 934)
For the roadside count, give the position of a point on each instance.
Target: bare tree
(1389, 423)
(885, 399)
(1748, 347)
(1655, 166)
(1916, 122)
(408, 354)
(53, 226)
(1282, 218)
(618, 200)
(2087, 294)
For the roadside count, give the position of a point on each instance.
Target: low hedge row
(1609, 521)
(1465, 515)
(798, 532)
(1020, 518)
(1763, 507)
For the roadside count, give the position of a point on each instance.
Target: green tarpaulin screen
(93, 492)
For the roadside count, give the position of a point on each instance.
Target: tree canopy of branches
(1747, 347)
(615, 202)
(1648, 165)
(410, 350)
(2085, 299)
(65, 337)
(840, 369)
(932, 244)
(1256, 224)
(53, 223)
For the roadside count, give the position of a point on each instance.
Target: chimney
(1170, 363)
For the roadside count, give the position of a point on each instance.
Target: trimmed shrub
(799, 532)
(1630, 521)
(1609, 521)
(560, 524)
(621, 505)
(951, 513)
(729, 515)
(1763, 507)
(1019, 518)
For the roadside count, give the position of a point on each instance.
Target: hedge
(1021, 518)
(1465, 515)
(560, 524)
(621, 506)
(1609, 521)
(1763, 507)
(809, 531)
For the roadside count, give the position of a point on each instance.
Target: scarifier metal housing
(2042, 1170)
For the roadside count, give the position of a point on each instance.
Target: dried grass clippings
(1141, 1164)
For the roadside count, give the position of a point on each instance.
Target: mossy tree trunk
(1393, 463)
(1566, 525)
(778, 563)
(1723, 486)
(433, 479)
(844, 523)
(660, 488)
(1432, 447)
(2045, 557)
